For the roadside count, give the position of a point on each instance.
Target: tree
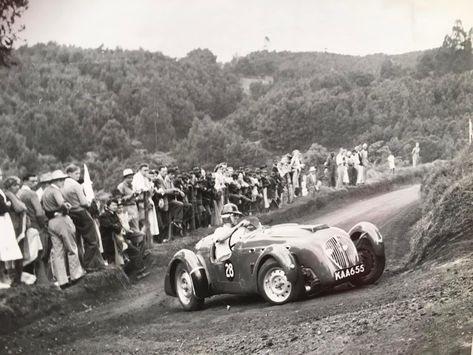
(10, 11)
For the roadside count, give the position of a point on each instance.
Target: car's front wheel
(374, 264)
(185, 289)
(274, 285)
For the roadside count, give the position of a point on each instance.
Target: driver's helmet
(230, 209)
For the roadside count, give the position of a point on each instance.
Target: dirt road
(427, 310)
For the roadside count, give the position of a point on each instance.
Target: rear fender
(284, 258)
(196, 269)
(368, 231)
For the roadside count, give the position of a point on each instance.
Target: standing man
(358, 159)
(38, 221)
(313, 185)
(332, 168)
(83, 221)
(62, 232)
(129, 199)
(144, 187)
(173, 206)
(340, 161)
(391, 162)
(364, 160)
(415, 155)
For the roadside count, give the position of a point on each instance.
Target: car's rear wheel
(185, 289)
(274, 285)
(374, 264)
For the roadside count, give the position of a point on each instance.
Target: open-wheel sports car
(281, 263)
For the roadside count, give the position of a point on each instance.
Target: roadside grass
(446, 227)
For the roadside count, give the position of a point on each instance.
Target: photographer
(128, 197)
(171, 204)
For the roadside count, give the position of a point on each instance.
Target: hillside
(114, 108)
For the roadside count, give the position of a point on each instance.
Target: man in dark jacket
(114, 235)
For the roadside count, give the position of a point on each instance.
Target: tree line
(113, 108)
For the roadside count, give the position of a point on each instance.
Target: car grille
(337, 254)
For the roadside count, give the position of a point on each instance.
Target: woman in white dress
(9, 249)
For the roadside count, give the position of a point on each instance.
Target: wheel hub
(276, 285)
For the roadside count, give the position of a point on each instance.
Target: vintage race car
(281, 263)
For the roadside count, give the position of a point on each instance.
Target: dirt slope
(426, 310)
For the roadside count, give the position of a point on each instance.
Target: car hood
(293, 234)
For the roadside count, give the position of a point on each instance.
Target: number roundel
(229, 271)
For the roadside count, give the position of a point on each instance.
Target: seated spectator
(117, 240)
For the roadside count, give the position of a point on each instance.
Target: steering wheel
(254, 225)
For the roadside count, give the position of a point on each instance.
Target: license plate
(349, 272)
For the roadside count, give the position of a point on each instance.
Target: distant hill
(61, 104)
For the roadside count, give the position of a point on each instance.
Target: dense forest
(116, 108)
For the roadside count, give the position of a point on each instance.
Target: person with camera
(128, 197)
(171, 205)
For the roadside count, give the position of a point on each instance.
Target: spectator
(313, 184)
(62, 232)
(351, 161)
(296, 167)
(128, 197)
(38, 226)
(360, 174)
(331, 169)
(391, 162)
(10, 252)
(415, 155)
(144, 187)
(340, 161)
(174, 207)
(85, 226)
(43, 183)
(18, 217)
(118, 240)
(365, 161)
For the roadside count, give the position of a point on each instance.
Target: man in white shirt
(221, 236)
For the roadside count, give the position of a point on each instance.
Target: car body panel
(320, 250)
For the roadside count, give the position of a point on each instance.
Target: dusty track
(426, 310)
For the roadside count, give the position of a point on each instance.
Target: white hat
(46, 177)
(58, 175)
(127, 172)
(312, 168)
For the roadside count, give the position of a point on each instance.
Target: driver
(221, 236)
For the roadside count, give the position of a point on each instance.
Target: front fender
(369, 232)
(285, 259)
(195, 268)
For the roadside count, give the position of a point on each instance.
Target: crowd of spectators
(53, 230)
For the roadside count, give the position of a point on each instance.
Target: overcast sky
(229, 27)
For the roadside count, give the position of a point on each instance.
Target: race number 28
(229, 271)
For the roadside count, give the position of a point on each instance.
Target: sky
(238, 27)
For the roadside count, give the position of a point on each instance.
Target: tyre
(185, 289)
(374, 264)
(274, 285)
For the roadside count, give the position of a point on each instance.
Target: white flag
(87, 185)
